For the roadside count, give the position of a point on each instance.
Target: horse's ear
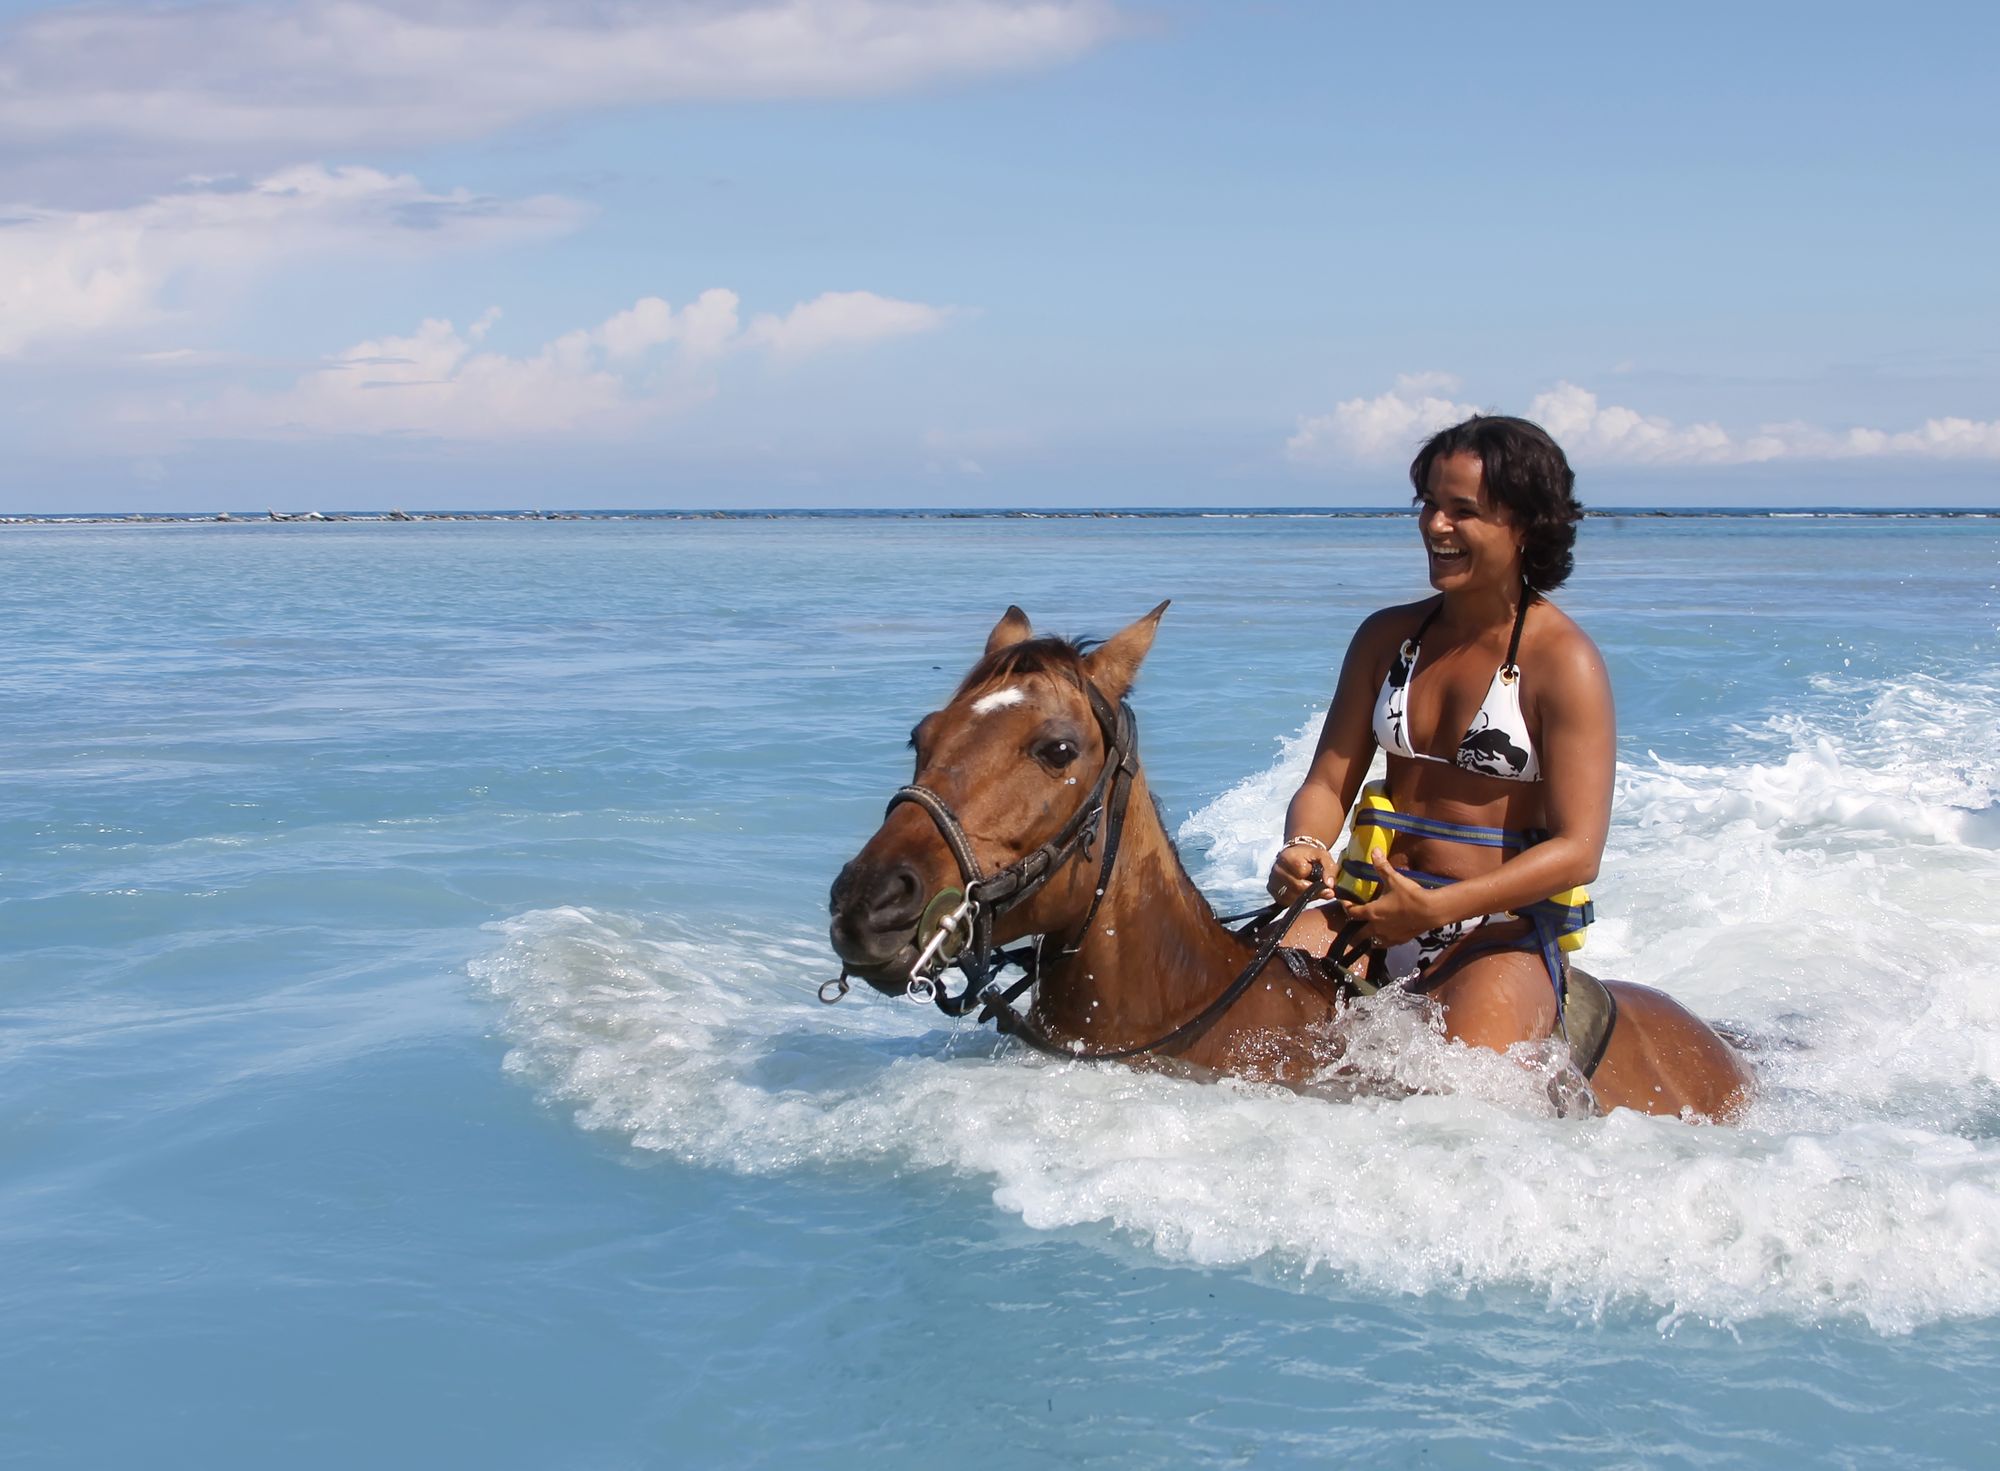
(1011, 629)
(1113, 663)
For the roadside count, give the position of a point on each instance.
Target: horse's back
(1662, 1058)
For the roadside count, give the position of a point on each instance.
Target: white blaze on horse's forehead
(998, 700)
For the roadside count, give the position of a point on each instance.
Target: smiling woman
(1464, 881)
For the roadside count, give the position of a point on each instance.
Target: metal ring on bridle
(939, 949)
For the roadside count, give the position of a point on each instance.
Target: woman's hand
(1291, 875)
(1401, 910)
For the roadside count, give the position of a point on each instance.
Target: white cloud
(1395, 423)
(436, 382)
(704, 328)
(1609, 434)
(638, 365)
(1384, 427)
(66, 274)
(1949, 438)
(264, 80)
(843, 317)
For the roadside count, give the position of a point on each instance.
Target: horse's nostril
(898, 899)
(875, 909)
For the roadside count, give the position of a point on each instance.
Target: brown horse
(1018, 800)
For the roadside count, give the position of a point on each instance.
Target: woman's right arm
(1340, 761)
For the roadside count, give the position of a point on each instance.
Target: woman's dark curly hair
(1526, 472)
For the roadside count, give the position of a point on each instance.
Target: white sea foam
(1237, 834)
(1828, 895)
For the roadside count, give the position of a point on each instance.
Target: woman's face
(1471, 542)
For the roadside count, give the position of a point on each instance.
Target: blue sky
(988, 252)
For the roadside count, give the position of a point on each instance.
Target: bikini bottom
(1413, 961)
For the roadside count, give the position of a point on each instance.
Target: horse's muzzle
(875, 913)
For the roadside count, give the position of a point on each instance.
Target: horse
(1030, 818)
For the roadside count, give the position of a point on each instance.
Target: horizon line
(1083, 513)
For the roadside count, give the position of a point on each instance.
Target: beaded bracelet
(1306, 840)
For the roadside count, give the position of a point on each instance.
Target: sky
(363, 254)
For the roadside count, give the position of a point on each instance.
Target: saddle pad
(1590, 1011)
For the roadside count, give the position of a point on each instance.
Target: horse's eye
(1057, 754)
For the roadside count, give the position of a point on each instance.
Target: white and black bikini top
(1497, 741)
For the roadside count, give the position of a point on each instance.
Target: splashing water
(1822, 898)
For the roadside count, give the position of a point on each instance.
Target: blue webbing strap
(1450, 832)
(1551, 920)
(1558, 919)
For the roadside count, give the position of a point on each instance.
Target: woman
(1495, 711)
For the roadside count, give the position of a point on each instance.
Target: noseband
(963, 933)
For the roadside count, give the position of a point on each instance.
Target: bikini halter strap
(1520, 622)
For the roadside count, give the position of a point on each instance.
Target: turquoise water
(407, 941)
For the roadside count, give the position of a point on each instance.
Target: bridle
(957, 924)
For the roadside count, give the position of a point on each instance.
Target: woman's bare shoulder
(1390, 626)
(1374, 643)
(1559, 650)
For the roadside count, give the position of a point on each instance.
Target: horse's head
(1014, 761)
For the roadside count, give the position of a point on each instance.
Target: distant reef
(1053, 513)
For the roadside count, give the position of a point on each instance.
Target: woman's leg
(1313, 931)
(1495, 997)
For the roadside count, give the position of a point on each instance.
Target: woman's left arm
(1578, 745)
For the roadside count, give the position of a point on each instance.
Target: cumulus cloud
(66, 274)
(1393, 424)
(1591, 432)
(703, 329)
(841, 317)
(1382, 427)
(1943, 438)
(278, 78)
(636, 366)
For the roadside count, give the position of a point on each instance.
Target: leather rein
(957, 925)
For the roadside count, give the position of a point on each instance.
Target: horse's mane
(1047, 653)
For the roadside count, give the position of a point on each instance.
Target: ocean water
(408, 1051)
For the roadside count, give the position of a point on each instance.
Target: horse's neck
(1154, 954)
